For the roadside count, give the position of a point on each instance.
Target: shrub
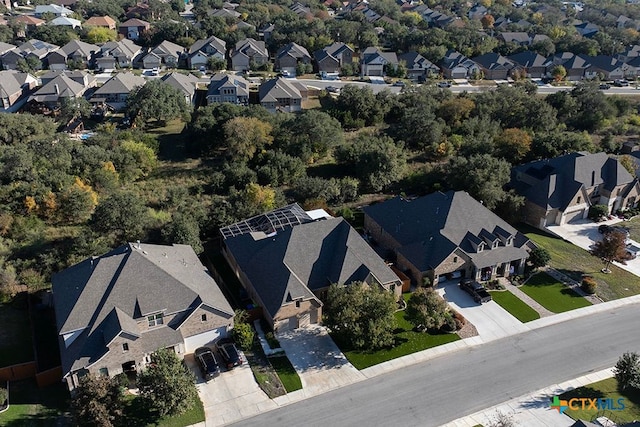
(627, 371)
(4, 395)
(449, 325)
(243, 333)
(596, 212)
(272, 340)
(121, 380)
(589, 285)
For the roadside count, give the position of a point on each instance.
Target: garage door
(203, 339)
(574, 216)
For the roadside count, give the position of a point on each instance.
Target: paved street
(472, 378)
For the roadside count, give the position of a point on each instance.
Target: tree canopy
(156, 100)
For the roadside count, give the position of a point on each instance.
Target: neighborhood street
(471, 379)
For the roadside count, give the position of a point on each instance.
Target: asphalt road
(470, 380)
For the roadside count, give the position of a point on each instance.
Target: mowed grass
(574, 262)
(286, 372)
(606, 389)
(137, 414)
(15, 335)
(552, 295)
(407, 341)
(32, 406)
(515, 306)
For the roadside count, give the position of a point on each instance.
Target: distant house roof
(9, 84)
(251, 46)
(78, 46)
(221, 80)
(370, 54)
(219, 45)
(185, 83)
(298, 259)
(101, 21)
(54, 9)
(66, 22)
(529, 59)
(430, 228)
(274, 89)
(555, 181)
(6, 47)
(493, 61)
(294, 50)
(30, 20)
(37, 48)
(135, 22)
(603, 62)
(515, 37)
(416, 61)
(120, 83)
(226, 13)
(454, 59)
(168, 48)
(102, 296)
(61, 86)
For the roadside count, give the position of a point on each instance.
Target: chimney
(57, 89)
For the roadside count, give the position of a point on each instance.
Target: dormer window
(155, 320)
(480, 247)
(495, 244)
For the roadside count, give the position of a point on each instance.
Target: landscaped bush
(589, 285)
(4, 395)
(272, 340)
(449, 325)
(597, 212)
(121, 380)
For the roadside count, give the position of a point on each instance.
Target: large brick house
(114, 310)
(562, 189)
(444, 235)
(287, 258)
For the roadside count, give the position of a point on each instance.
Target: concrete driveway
(317, 360)
(490, 320)
(585, 233)
(232, 396)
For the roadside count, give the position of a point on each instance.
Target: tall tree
(98, 402)
(167, 385)
(156, 100)
(361, 315)
(124, 214)
(427, 309)
(611, 248)
(627, 371)
(245, 136)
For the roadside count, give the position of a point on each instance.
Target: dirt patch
(265, 375)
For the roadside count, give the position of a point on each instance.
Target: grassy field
(15, 335)
(574, 262)
(515, 306)
(634, 228)
(135, 413)
(31, 406)
(552, 295)
(288, 375)
(407, 341)
(606, 389)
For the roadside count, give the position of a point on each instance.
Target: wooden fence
(20, 371)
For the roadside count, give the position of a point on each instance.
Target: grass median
(515, 306)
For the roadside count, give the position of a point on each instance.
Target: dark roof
(554, 182)
(275, 220)
(529, 59)
(493, 61)
(100, 297)
(298, 259)
(430, 228)
(372, 53)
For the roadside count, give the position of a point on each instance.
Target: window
(455, 259)
(155, 320)
(579, 199)
(593, 178)
(203, 317)
(125, 347)
(298, 304)
(103, 372)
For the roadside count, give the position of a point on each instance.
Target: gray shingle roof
(554, 182)
(120, 83)
(274, 89)
(102, 296)
(300, 259)
(430, 228)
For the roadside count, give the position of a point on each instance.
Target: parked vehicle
(229, 353)
(208, 363)
(605, 86)
(399, 83)
(476, 290)
(621, 83)
(444, 84)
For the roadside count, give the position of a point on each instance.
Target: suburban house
(287, 258)
(374, 61)
(28, 23)
(575, 65)
(226, 14)
(5, 48)
(607, 67)
(115, 91)
(119, 54)
(13, 84)
(57, 85)
(531, 64)
(34, 48)
(445, 235)
(455, 65)
(248, 53)
(331, 58)
(228, 88)
(494, 66)
(101, 21)
(203, 49)
(281, 95)
(519, 37)
(53, 9)
(561, 190)
(418, 67)
(185, 83)
(114, 310)
(65, 21)
(166, 54)
(76, 51)
(289, 56)
(132, 28)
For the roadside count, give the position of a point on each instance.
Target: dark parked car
(208, 363)
(604, 229)
(229, 353)
(476, 290)
(605, 86)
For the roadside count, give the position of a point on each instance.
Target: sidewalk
(543, 312)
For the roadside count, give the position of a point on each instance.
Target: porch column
(521, 265)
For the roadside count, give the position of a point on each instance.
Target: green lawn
(137, 414)
(31, 406)
(552, 295)
(607, 389)
(15, 335)
(286, 372)
(515, 306)
(407, 342)
(574, 262)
